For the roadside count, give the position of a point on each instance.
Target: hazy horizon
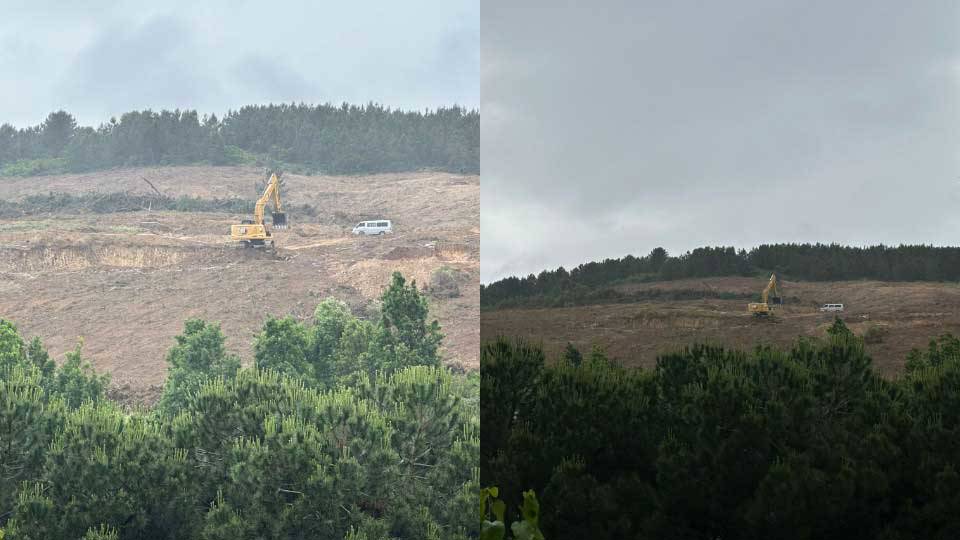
(108, 57)
(221, 114)
(616, 131)
(683, 251)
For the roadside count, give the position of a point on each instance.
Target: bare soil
(634, 334)
(125, 282)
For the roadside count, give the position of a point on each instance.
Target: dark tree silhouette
(591, 282)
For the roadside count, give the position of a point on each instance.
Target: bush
(34, 167)
(445, 282)
(234, 155)
(875, 334)
(77, 382)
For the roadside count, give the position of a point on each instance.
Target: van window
(382, 224)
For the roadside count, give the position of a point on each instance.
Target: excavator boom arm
(277, 207)
(271, 192)
(771, 286)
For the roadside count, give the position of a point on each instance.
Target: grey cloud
(271, 78)
(110, 56)
(457, 58)
(732, 123)
(150, 65)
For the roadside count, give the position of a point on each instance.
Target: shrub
(875, 334)
(445, 282)
(34, 167)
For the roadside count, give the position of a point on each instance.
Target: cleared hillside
(124, 282)
(908, 315)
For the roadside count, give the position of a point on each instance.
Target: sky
(101, 58)
(613, 128)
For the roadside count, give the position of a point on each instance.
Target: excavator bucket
(279, 220)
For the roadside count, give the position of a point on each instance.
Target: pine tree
(404, 313)
(283, 345)
(200, 353)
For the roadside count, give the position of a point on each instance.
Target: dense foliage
(348, 139)
(814, 262)
(808, 442)
(344, 428)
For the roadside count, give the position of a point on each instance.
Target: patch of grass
(585, 296)
(63, 225)
(875, 334)
(238, 156)
(34, 167)
(123, 229)
(106, 203)
(445, 282)
(20, 226)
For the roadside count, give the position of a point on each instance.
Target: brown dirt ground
(125, 282)
(635, 334)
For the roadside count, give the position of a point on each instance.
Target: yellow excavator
(762, 308)
(256, 233)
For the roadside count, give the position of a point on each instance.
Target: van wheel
(380, 233)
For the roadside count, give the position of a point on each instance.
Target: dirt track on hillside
(125, 282)
(911, 314)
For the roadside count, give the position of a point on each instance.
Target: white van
(380, 226)
(831, 307)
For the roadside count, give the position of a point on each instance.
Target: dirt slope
(125, 282)
(912, 313)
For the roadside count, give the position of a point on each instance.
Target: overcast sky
(617, 127)
(103, 57)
